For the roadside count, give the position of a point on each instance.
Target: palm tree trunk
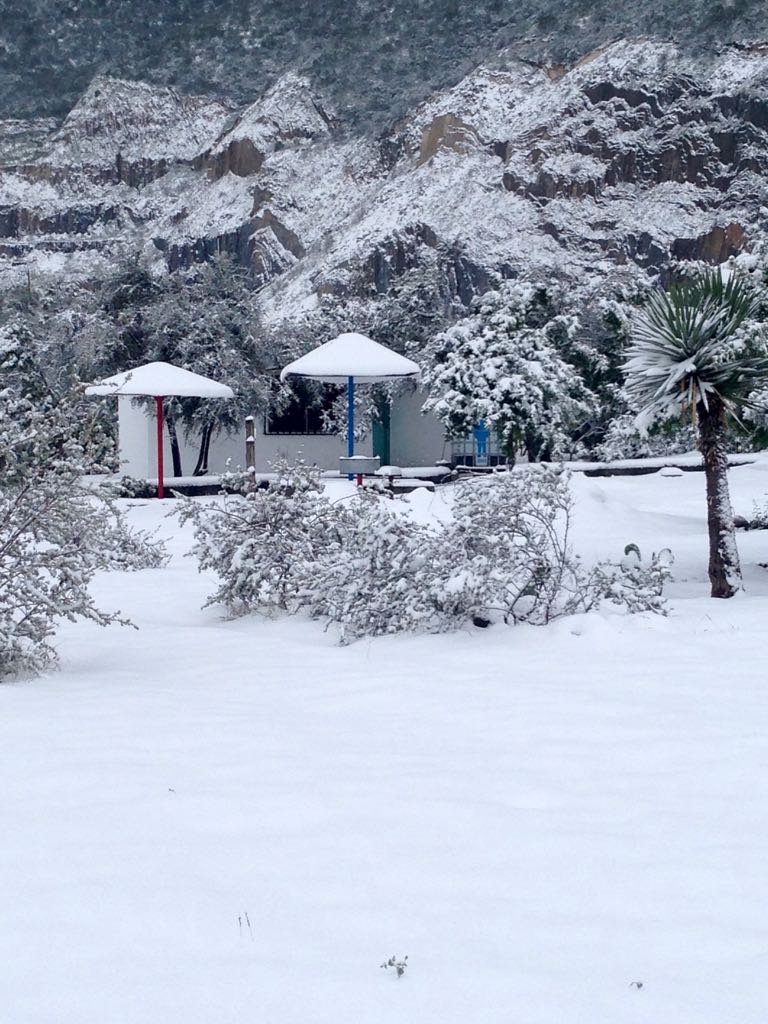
(724, 568)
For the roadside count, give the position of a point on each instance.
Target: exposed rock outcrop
(447, 131)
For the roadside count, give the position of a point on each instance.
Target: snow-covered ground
(227, 821)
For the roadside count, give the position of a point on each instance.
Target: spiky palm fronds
(694, 342)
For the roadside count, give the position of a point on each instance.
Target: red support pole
(159, 415)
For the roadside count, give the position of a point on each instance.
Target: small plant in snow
(757, 521)
(398, 965)
(634, 583)
(240, 918)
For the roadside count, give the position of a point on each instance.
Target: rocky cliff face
(636, 153)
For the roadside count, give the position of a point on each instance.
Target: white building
(410, 438)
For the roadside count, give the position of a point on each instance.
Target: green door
(381, 432)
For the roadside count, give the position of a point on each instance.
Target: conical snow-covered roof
(351, 355)
(160, 380)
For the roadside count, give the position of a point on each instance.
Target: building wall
(137, 440)
(415, 440)
(322, 450)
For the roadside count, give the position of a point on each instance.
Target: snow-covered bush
(383, 574)
(509, 542)
(130, 487)
(398, 963)
(624, 440)
(633, 583)
(55, 533)
(758, 520)
(505, 556)
(512, 558)
(367, 566)
(262, 542)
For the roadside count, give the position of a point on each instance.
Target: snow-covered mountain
(375, 60)
(637, 152)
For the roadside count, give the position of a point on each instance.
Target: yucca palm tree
(697, 351)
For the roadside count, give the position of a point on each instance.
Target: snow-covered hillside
(209, 820)
(635, 154)
(377, 60)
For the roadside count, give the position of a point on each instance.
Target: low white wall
(322, 450)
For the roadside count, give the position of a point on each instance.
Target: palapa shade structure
(348, 359)
(160, 381)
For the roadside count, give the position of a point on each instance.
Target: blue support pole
(350, 416)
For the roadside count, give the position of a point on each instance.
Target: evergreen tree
(506, 365)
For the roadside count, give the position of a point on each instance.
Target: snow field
(537, 817)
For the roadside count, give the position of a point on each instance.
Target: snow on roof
(160, 379)
(351, 355)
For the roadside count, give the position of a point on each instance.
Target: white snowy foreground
(219, 822)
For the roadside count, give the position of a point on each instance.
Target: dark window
(304, 414)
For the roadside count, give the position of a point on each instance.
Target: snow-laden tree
(19, 362)
(55, 532)
(63, 326)
(205, 320)
(506, 365)
(31, 366)
(697, 351)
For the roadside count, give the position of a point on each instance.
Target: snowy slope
(538, 818)
(637, 153)
(135, 121)
(376, 59)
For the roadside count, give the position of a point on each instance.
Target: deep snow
(538, 818)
